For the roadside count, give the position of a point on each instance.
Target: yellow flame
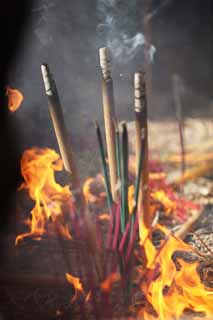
(38, 168)
(168, 204)
(75, 281)
(173, 291)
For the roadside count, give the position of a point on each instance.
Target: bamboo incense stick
(109, 116)
(140, 106)
(57, 118)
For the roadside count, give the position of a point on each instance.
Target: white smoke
(115, 28)
(125, 48)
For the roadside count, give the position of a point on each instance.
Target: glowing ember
(104, 216)
(15, 98)
(38, 167)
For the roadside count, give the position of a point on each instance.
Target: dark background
(67, 35)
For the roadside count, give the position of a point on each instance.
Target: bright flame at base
(37, 168)
(174, 290)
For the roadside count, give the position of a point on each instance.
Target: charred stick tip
(139, 85)
(47, 79)
(105, 63)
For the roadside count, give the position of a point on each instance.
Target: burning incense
(57, 118)
(109, 116)
(140, 107)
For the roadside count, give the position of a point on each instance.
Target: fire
(106, 285)
(15, 98)
(174, 290)
(38, 168)
(168, 204)
(170, 290)
(75, 281)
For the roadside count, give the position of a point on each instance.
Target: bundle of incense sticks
(123, 226)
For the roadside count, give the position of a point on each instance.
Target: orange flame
(106, 285)
(15, 98)
(162, 197)
(174, 291)
(75, 281)
(38, 168)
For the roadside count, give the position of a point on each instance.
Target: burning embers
(120, 215)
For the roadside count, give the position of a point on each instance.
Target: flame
(15, 98)
(88, 296)
(161, 196)
(38, 168)
(173, 291)
(106, 285)
(131, 198)
(104, 216)
(75, 281)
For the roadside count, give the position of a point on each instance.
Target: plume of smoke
(120, 26)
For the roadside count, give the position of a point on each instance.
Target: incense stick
(179, 116)
(140, 107)
(104, 166)
(57, 118)
(109, 116)
(188, 225)
(118, 156)
(58, 122)
(124, 177)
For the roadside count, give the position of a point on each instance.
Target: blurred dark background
(67, 35)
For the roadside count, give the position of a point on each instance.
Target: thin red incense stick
(132, 240)
(124, 237)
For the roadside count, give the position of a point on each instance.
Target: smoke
(120, 25)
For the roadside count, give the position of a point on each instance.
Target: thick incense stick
(140, 107)
(124, 176)
(57, 118)
(104, 166)
(188, 225)
(109, 116)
